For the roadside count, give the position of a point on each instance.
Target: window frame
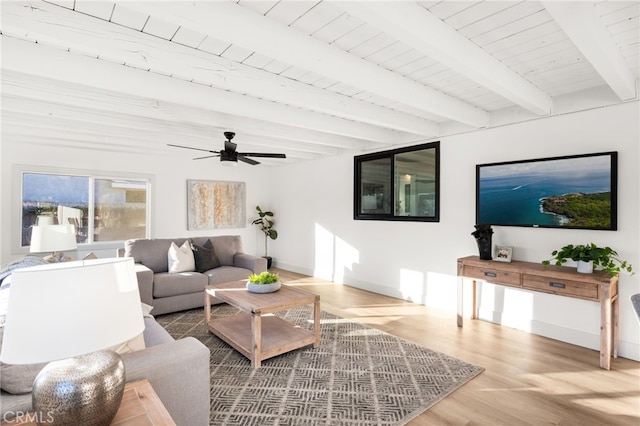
(391, 155)
(17, 191)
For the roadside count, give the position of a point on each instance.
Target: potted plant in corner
(265, 223)
(590, 256)
(265, 282)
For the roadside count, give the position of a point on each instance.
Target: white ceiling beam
(417, 27)
(585, 29)
(55, 92)
(226, 20)
(39, 60)
(59, 26)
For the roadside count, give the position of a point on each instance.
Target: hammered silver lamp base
(85, 390)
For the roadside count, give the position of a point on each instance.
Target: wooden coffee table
(253, 332)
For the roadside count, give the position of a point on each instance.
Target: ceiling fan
(229, 155)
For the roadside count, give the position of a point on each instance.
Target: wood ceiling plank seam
(288, 12)
(428, 72)
(547, 52)
(544, 26)
(338, 28)
(159, 28)
(528, 46)
(262, 7)
(417, 65)
(188, 37)
(213, 46)
(621, 15)
(477, 12)
(372, 45)
(236, 53)
(356, 37)
(402, 60)
(129, 18)
(631, 37)
(99, 9)
(294, 73)
(316, 18)
(631, 24)
(388, 52)
(493, 22)
(607, 7)
(447, 9)
(256, 60)
(276, 67)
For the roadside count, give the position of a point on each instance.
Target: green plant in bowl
(264, 278)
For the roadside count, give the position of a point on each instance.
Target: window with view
(400, 184)
(100, 209)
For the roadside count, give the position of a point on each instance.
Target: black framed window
(401, 184)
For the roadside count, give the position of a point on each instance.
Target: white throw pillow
(181, 258)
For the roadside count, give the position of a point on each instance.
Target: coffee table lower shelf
(275, 336)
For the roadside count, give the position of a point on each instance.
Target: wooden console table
(560, 280)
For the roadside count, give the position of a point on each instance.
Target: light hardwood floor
(528, 379)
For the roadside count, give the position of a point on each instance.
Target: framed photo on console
(503, 253)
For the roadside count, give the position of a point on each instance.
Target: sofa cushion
(154, 333)
(166, 284)
(226, 246)
(151, 253)
(205, 256)
(181, 258)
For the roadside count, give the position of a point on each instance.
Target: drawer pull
(490, 274)
(557, 285)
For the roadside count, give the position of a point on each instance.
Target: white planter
(263, 288)
(585, 267)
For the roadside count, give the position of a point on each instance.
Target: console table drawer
(562, 287)
(492, 275)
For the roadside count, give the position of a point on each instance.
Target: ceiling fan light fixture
(228, 163)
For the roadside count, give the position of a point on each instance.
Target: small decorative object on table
(503, 253)
(482, 234)
(589, 256)
(265, 282)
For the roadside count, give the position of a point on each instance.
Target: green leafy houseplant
(604, 258)
(265, 277)
(265, 223)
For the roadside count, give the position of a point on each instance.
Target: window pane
(375, 187)
(43, 194)
(120, 209)
(415, 183)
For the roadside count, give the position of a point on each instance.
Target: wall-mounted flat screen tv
(574, 192)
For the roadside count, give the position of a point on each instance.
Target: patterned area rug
(358, 375)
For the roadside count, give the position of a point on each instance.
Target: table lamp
(67, 314)
(53, 238)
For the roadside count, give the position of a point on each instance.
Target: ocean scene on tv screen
(570, 193)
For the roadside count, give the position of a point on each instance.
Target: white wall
(169, 195)
(417, 261)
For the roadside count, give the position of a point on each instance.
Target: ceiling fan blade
(197, 149)
(230, 146)
(262, 154)
(207, 156)
(242, 158)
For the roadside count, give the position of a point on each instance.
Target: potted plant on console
(265, 223)
(590, 256)
(265, 282)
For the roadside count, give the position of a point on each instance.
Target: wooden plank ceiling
(306, 78)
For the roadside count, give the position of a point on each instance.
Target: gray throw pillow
(205, 257)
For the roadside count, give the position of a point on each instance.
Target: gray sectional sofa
(172, 292)
(178, 371)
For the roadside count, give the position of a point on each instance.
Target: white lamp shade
(68, 309)
(50, 238)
